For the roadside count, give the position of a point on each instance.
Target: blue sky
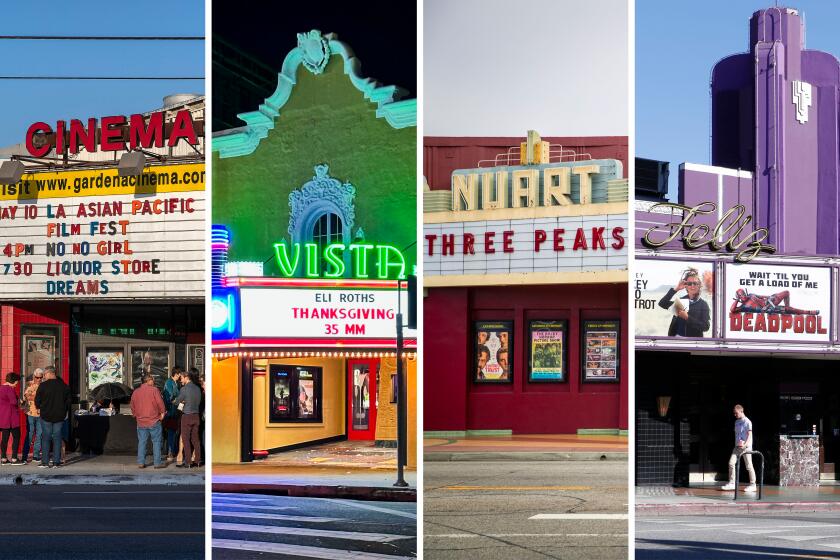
(677, 43)
(25, 102)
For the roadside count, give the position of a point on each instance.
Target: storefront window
(600, 351)
(294, 394)
(40, 348)
(547, 351)
(493, 352)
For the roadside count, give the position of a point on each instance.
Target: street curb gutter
(29, 479)
(445, 457)
(731, 508)
(367, 493)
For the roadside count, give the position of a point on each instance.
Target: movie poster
(493, 351)
(674, 298)
(306, 395)
(149, 359)
(547, 351)
(281, 390)
(104, 366)
(600, 350)
(361, 396)
(778, 302)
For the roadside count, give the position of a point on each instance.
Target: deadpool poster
(777, 303)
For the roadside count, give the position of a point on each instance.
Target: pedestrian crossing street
(777, 531)
(283, 527)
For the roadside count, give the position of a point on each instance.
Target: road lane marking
(799, 538)
(134, 492)
(159, 508)
(518, 488)
(101, 533)
(304, 551)
(300, 531)
(396, 512)
(580, 516)
(275, 516)
(528, 535)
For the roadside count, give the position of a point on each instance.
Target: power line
(100, 78)
(95, 38)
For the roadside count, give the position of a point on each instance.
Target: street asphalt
(247, 526)
(525, 510)
(102, 522)
(739, 537)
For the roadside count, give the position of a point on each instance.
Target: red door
(361, 399)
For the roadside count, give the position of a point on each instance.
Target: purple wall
(794, 165)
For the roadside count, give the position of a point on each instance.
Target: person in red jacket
(148, 409)
(9, 418)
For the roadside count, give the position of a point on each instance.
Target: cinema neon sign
(367, 260)
(108, 135)
(725, 235)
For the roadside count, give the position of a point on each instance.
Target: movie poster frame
(294, 380)
(473, 374)
(584, 329)
(529, 357)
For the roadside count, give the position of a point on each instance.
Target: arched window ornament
(320, 197)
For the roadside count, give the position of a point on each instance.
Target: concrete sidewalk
(99, 470)
(536, 447)
(349, 469)
(708, 499)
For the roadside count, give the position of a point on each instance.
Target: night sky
(383, 34)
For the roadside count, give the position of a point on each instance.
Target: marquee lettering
(143, 131)
(383, 261)
(725, 235)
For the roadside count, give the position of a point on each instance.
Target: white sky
(501, 67)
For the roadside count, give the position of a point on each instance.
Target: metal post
(402, 402)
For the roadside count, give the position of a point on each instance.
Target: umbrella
(111, 391)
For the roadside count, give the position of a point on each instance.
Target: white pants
(733, 460)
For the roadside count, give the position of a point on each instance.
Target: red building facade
(524, 286)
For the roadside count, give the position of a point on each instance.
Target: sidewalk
(348, 470)
(708, 499)
(538, 447)
(100, 470)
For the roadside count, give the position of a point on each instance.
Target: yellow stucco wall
(270, 436)
(226, 410)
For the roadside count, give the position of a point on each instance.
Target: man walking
(33, 417)
(190, 398)
(148, 409)
(52, 399)
(743, 443)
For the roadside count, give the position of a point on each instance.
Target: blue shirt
(743, 427)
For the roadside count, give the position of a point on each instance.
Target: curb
(367, 493)
(29, 479)
(444, 457)
(653, 510)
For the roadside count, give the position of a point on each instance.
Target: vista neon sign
(368, 260)
(110, 133)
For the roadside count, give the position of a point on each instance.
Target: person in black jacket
(697, 319)
(53, 401)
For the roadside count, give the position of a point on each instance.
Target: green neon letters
(390, 262)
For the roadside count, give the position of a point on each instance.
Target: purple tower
(775, 116)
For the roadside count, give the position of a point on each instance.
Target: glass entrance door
(361, 399)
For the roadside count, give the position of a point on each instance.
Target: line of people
(46, 403)
(178, 409)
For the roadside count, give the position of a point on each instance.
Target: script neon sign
(725, 235)
(368, 260)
